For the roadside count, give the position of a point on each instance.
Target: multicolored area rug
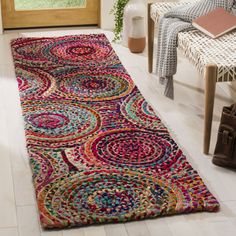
(97, 150)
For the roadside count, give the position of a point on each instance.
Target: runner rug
(97, 150)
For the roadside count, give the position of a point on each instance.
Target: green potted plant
(118, 11)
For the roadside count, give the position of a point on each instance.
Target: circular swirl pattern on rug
(95, 53)
(34, 83)
(105, 195)
(56, 124)
(139, 112)
(77, 50)
(95, 86)
(131, 148)
(29, 52)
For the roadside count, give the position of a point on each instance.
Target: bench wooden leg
(150, 39)
(210, 85)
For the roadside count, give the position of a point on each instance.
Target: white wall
(107, 20)
(229, 88)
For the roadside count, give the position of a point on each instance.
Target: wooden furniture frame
(212, 69)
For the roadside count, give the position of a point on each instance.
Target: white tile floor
(184, 116)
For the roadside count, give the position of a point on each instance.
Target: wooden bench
(215, 59)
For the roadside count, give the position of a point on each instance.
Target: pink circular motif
(49, 120)
(131, 148)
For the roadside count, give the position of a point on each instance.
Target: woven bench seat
(203, 50)
(215, 59)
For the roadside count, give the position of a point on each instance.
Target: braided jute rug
(97, 150)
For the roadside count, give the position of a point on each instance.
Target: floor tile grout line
(8, 227)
